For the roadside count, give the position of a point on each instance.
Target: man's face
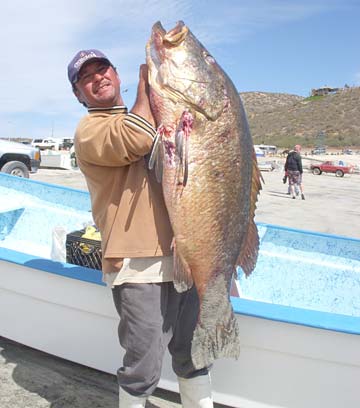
(98, 85)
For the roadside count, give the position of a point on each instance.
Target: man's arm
(142, 103)
(286, 163)
(300, 164)
(119, 140)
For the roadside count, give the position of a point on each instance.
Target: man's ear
(117, 74)
(78, 95)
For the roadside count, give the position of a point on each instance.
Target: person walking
(294, 170)
(286, 179)
(129, 210)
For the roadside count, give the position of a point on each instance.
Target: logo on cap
(84, 57)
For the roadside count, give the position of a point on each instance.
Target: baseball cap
(80, 59)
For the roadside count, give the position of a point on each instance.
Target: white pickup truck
(44, 144)
(18, 159)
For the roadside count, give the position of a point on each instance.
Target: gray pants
(153, 317)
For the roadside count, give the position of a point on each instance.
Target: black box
(83, 251)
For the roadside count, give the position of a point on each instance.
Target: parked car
(18, 159)
(66, 144)
(338, 168)
(44, 144)
(266, 166)
(319, 150)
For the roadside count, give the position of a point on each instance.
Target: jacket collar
(112, 110)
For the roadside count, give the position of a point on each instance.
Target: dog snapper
(205, 160)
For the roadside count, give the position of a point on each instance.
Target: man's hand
(142, 103)
(144, 74)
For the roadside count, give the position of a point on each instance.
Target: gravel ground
(332, 204)
(32, 379)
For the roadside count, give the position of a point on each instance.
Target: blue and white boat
(298, 313)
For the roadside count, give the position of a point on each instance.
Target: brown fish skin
(210, 180)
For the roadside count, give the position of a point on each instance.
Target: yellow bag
(92, 233)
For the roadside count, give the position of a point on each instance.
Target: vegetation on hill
(284, 120)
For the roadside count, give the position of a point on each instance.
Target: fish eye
(208, 58)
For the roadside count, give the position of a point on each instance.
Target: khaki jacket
(127, 201)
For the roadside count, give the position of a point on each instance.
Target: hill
(283, 119)
(259, 102)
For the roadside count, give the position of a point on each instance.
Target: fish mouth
(173, 37)
(158, 29)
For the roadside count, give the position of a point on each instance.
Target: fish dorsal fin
(182, 136)
(249, 250)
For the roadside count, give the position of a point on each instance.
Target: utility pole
(11, 124)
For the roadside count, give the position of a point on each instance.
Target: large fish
(205, 159)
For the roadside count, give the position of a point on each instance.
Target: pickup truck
(336, 167)
(318, 150)
(18, 159)
(44, 144)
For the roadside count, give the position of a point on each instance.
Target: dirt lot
(332, 203)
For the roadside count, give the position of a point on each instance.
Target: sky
(285, 46)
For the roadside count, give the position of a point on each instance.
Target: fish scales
(207, 166)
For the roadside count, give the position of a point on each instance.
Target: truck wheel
(316, 171)
(339, 173)
(15, 168)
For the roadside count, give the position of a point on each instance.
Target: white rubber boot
(196, 392)
(127, 400)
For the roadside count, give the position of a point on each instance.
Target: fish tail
(217, 333)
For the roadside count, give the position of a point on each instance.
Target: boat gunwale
(253, 308)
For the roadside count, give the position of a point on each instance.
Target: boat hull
(280, 364)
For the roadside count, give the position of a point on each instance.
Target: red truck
(336, 167)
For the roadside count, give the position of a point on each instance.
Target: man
(129, 210)
(294, 170)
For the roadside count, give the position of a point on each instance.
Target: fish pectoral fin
(182, 274)
(182, 146)
(159, 165)
(154, 150)
(179, 145)
(156, 157)
(185, 164)
(180, 150)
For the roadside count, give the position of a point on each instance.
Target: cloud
(40, 37)
(230, 22)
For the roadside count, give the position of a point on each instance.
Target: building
(323, 91)
(266, 149)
